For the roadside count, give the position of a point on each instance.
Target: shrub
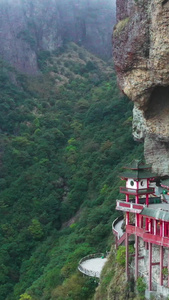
(25, 296)
(165, 272)
(141, 287)
(120, 26)
(121, 254)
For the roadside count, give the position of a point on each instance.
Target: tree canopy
(64, 137)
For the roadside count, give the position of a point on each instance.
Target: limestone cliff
(141, 55)
(30, 26)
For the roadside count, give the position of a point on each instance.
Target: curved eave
(136, 178)
(165, 186)
(137, 169)
(157, 214)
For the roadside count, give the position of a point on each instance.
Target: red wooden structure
(151, 217)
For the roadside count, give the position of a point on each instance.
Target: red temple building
(146, 220)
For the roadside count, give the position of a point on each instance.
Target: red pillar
(127, 255)
(161, 229)
(141, 221)
(136, 256)
(146, 223)
(150, 267)
(147, 200)
(127, 218)
(137, 198)
(165, 229)
(152, 228)
(149, 225)
(155, 227)
(161, 265)
(127, 198)
(137, 220)
(168, 268)
(148, 183)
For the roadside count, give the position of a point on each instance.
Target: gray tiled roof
(137, 170)
(165, 182)
(158, 213)
(137, 174)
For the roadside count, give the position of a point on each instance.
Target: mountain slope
(65, 134)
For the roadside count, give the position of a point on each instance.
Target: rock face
(141, 54)
(30, 26)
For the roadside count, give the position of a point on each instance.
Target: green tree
(25, 296)
(35, 229)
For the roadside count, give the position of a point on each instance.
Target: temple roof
(158, 214)
(137, 170)
(137, 165)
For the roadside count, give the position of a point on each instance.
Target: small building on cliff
(146, 218)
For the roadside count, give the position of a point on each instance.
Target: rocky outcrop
(30, 26)
(141, 55)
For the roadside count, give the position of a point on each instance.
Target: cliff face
(141, 54)
(30, 26)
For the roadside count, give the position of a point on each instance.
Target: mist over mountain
(28, 27)
(64, 136)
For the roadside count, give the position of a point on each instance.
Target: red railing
(147, 236)
(121, 240)
(129, 206)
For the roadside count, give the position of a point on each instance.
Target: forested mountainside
(64, 136)
(30, 26)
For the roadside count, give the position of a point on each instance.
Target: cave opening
(164, 2)
(158, 105)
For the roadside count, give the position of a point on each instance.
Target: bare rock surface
(141, 54)
(30, 26)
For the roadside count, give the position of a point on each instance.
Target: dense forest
(64, 137)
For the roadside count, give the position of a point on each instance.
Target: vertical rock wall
(141, 55)
(30, 26)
